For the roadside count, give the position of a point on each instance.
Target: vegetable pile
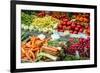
(54, 36)
(82, 46)
(45, 24)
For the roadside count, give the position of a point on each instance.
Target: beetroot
(82, 46)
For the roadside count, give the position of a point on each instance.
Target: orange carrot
(35, 49)
(33, 56)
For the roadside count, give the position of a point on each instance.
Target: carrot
(28, 56)
(28, 44)
(23, 45)
(23, 51)
(35, 49)
(31, 48)
(33, 40)
(36, 53)
(33, 56)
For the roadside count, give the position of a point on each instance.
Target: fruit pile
(73, 27)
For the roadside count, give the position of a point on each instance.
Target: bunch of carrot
(30, 49)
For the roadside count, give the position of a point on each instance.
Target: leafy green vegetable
(26, 18)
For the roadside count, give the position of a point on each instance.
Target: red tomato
(65, 20)
(81, 30)
(69, 23)
(64, 23)
(73, 25)
(79, 26)
(76, 28)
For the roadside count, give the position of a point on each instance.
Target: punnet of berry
(54, 36)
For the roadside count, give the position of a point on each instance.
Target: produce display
(45, 24)
(54, 36)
